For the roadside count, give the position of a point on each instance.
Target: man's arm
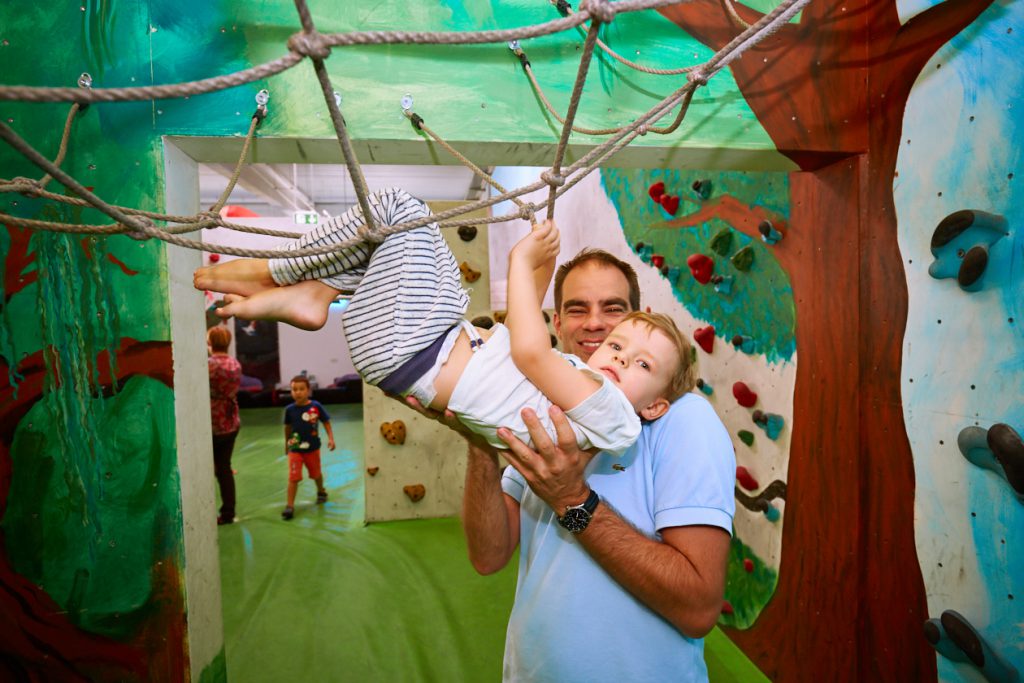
(681, 577)
(490, 517)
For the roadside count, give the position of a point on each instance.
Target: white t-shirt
(492, 393)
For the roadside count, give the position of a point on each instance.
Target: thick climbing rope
(317, 47)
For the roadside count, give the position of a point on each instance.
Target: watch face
(575, 520)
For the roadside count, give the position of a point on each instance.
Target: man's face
(595, 298)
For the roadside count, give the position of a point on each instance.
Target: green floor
(324, 598)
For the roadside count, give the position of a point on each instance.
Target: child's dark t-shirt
(305, 422)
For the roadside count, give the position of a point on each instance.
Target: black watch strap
(577, 517)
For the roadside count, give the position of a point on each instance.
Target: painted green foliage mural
(760, 303)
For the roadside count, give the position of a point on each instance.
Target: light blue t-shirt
(571, 621)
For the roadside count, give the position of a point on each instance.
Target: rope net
(308, 43)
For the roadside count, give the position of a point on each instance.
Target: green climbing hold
(743, 258)
(746, 437)
(721, 243)
(693, 354)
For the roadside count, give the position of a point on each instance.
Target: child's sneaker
(321, 497)
(287, 513)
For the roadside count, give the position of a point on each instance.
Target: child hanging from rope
(406, 332)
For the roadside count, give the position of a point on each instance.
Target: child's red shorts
(296, 460)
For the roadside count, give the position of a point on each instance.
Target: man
(621, 586)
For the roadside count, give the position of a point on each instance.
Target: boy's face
(640, 361)
(300, 392)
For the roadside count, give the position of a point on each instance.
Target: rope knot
(642, 129)
(309, 45)
(527, 211)
(213, 216)
(34, 186)
(601, 10)
(370, 235)
(697, 76)
(139, 230)
(552, 179)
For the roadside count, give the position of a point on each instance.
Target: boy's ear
(656, 409)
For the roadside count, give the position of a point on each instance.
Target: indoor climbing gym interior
(824, 196)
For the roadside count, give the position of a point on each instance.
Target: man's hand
(553, 471)
(330, 443)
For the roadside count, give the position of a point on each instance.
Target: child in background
(302, 441)
(406, 332)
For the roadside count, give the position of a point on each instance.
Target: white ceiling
(279, 189)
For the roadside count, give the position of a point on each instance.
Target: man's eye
(575, 311)
(615, 310)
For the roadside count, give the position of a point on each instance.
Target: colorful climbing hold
(705, 387)
(772, 513)
(722, 283)
(746, 479)
(743, 258)
(702, 188)
(746, 437)
(721, 243)
(657, 260)
(726, 607)
(744, 396)
(467, 233)
(670, 203)
(656, 191)
(769, 235)
(748, 565)
(705, 338)
(743, 343)
(770, 422)
(701, 267)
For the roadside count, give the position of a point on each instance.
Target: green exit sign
(306, 218)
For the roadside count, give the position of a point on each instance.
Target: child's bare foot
(241, 276)
(303, 305)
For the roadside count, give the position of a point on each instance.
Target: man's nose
(595, 321)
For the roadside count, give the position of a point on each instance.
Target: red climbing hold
(705, 337)
(656, 191)
(670, 203)
(657, 260)
(744, 396)
(746, 479)
(701, 267)
(726, 607)
(748, 565)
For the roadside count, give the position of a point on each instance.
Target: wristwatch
(577, 517)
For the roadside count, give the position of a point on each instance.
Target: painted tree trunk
(831, 92)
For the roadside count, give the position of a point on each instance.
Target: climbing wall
(726, 291)
(415, 466)
(960, 216)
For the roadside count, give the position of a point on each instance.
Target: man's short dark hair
(603, 257)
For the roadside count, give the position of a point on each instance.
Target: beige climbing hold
(393, 432)
(415, 492)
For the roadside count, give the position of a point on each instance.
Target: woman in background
(225, 378)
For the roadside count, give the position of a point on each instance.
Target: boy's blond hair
(684, 379)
